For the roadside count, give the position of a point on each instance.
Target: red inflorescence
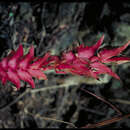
(16, 67)
(87, 61)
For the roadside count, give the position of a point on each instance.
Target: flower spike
(83, 61)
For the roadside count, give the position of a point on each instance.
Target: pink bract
(16, 67)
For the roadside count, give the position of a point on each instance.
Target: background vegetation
(56, 27)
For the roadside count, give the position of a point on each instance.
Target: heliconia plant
(83, 60)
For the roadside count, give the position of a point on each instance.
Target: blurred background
(55, 27)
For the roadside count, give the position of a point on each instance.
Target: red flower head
(87, 61)
(16, 67)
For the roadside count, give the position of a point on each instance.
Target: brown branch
(106, 122)
(100, 98)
